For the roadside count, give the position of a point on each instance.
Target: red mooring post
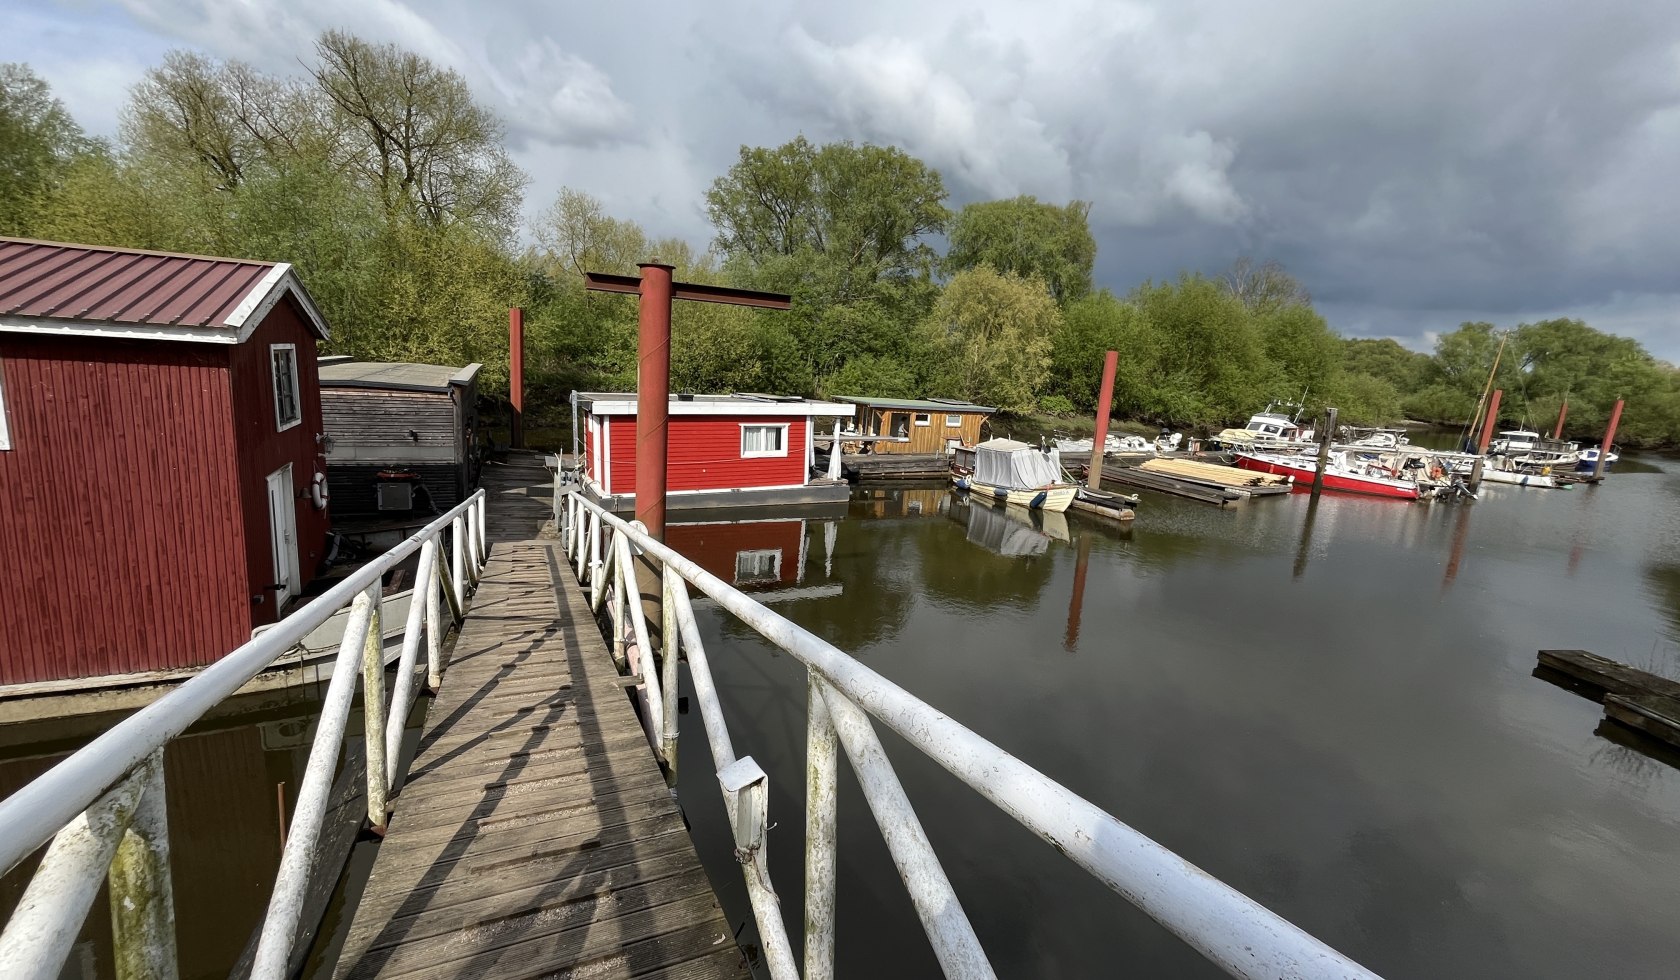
(516, 375)
(1105, 402)
(1563, 413)
(1609, 440)
(1492, 420)
(653, 396)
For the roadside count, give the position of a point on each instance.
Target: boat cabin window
(763, 440)
(287, 410)
(5, 433)
(953, 421)
(924, 418)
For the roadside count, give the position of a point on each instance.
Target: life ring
(318, 493)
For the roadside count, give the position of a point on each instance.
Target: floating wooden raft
(1215, 475)
(1644, 702)
(1131, 476)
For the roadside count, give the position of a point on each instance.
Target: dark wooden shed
(402, 438)
(160, 439)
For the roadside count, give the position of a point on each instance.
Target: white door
(282, 524)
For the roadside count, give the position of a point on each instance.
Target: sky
(1415, 163)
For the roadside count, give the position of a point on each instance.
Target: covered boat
(1012, 471)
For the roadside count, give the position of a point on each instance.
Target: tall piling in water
(516, 376)
(1563, 413)
(1488, 424)
(1324, 450)
(1105, 403)
(1609, 440)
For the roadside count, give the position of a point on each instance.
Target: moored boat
(1016, 473)
(1338, 475)
(1589, 460)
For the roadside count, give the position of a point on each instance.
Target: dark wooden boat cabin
(917, 426)
(161, 459)
(403, 439)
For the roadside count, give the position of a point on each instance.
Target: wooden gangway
(535, 836)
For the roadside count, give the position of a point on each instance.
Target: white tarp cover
(1013, 465)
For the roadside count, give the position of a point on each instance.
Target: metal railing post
(458, 561)
(642, 664)
(472, 546)
(433, 578)
(947, 926)
(285, 905)
(669, 656)
(615, 611)
(483, 541)
(596, 586)
(822, 803)
(142, 891)
(373, 709)
(48, 918)
(402, 694)
(457, 611)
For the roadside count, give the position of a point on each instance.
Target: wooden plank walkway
(535, 836)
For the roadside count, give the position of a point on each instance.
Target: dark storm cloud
(1412, 162)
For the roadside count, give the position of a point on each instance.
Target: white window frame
(775, 565)
(5, 430)
(763, 453)
(921, 418)
(953, 421)
(280, 424)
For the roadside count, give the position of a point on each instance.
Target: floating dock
(1643, 704)
(1219, 476)
(1137, 479)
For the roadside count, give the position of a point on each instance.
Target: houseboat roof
(741, 403)
(89, 290)
(917, 404)
(343, 372)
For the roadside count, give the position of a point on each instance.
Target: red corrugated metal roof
(109, 285)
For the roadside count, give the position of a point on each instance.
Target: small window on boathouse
(953, 421)
(288, 411)
(924, 418)
(763, 440)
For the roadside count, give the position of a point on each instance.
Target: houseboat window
(924, 418)
(5, 433)
(898, 425)
(953, 421)
(758, 566)
(287, 411)
(763, 440)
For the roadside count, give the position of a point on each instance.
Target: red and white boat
(1338, 475)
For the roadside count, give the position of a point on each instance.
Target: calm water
(1328, 707)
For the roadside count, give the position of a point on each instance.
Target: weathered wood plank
(1652, 714)
(1594, 676)
(536, 835)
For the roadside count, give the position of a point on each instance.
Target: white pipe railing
(1239, 935)
(103, 807)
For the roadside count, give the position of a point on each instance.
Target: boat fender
(318, 494)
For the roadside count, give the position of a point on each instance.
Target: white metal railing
(1230, 929)
(103, 807)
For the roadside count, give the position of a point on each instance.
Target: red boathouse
(160, 446)
(724, 450)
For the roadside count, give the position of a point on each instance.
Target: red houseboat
(160, 458)
(724, 451)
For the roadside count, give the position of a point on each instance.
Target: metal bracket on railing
(747, 784)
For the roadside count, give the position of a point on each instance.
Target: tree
(1091, 327)
(1264, 287)
(836, 224)
(993, 331)
(1210, 367)
(421, 141)
(1028, 237)
(39, 142)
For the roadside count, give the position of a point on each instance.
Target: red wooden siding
(715, 547)
(262, 450)
(121, 543)
(705, 454)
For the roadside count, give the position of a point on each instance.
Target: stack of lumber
(1214, 475)
(1131, 476)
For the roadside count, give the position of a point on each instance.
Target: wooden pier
(536, 836)
(1644, 706)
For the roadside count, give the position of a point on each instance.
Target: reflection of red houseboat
(746, 554)
(725, 450)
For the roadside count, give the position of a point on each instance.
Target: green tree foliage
(1210, 362)
(1091, 327)
(39, 145)
(1264, 287)
(993, 332)
(1029, 238)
